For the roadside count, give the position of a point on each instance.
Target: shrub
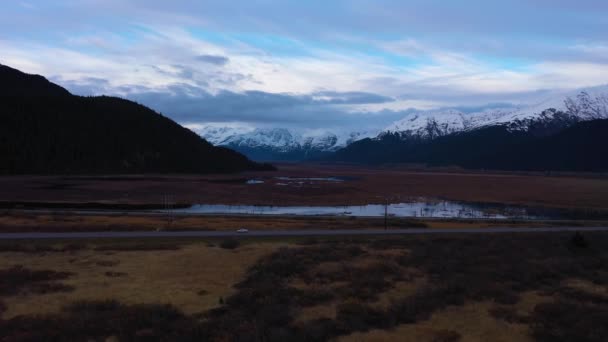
(107, 263)
(19, 279)
(578, 241)
(320, 330)
(111, 274)
(25, 247)
(446, 336)
(508, 314)
(99, 320)
(229, 243)
(568, 321)
(147, 246)
(358, 317)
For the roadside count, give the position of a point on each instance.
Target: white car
(242, 230)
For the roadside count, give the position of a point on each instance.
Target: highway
(285, 233)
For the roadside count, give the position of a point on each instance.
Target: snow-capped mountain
(572, 106)
(218, 134)
(279, 143)
(545, 115)
(558, 133)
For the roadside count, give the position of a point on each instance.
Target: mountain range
(549, 113)
(46, 130)
(579, 105)
(280, 144)
(565, 133)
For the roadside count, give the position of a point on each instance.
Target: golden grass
(174, 277)
(401, 290)
(310, 313)
(471, 321)
(587, 286)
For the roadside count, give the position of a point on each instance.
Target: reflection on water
(313, 179)
(438, 209)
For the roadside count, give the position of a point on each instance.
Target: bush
(358, 317)
(578, 241)
(230, 244)
(446, 336)
(508, 314)
(146, 246)
(25, 247)
(19, 279)
(111, 274)
(98, 320)
(568, 321)
(319, 330)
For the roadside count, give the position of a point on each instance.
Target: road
(286, 233)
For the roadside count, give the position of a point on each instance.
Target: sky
(332, 64)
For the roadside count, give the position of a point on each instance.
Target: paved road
(287, 233)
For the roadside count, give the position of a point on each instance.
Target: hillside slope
(46, 130)
(580, 147)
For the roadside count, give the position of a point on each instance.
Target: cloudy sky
(310, 64)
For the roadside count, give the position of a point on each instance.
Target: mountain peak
(17, 83)
(579, 105)
(280, 143)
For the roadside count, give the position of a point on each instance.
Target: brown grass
(173, 277)
(421, 288)
(14, 221)
(366, 185)
(307, 314)
(24, 221)
(587, 287)
(400, 291)
(471, 321)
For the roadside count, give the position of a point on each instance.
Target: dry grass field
(359, 185)
(494, 287)
(418, 288)
(191, 277)
(31, 221)
(20, 221)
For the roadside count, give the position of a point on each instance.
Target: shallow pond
(433, 209)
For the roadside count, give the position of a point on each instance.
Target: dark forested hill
(580, 147)
(16, 83)
(46, 130)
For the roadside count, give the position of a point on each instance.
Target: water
(437, 209)
(298, 181)
(312, 179)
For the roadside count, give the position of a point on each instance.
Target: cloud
(86, 86)
(264, 109)
(213, 59)
(357, 61)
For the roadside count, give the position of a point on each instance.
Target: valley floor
(33, 221)
(303, 184)
(440, 287)
(504, 287)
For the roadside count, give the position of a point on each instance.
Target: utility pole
(386, 214)
(169, 213)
